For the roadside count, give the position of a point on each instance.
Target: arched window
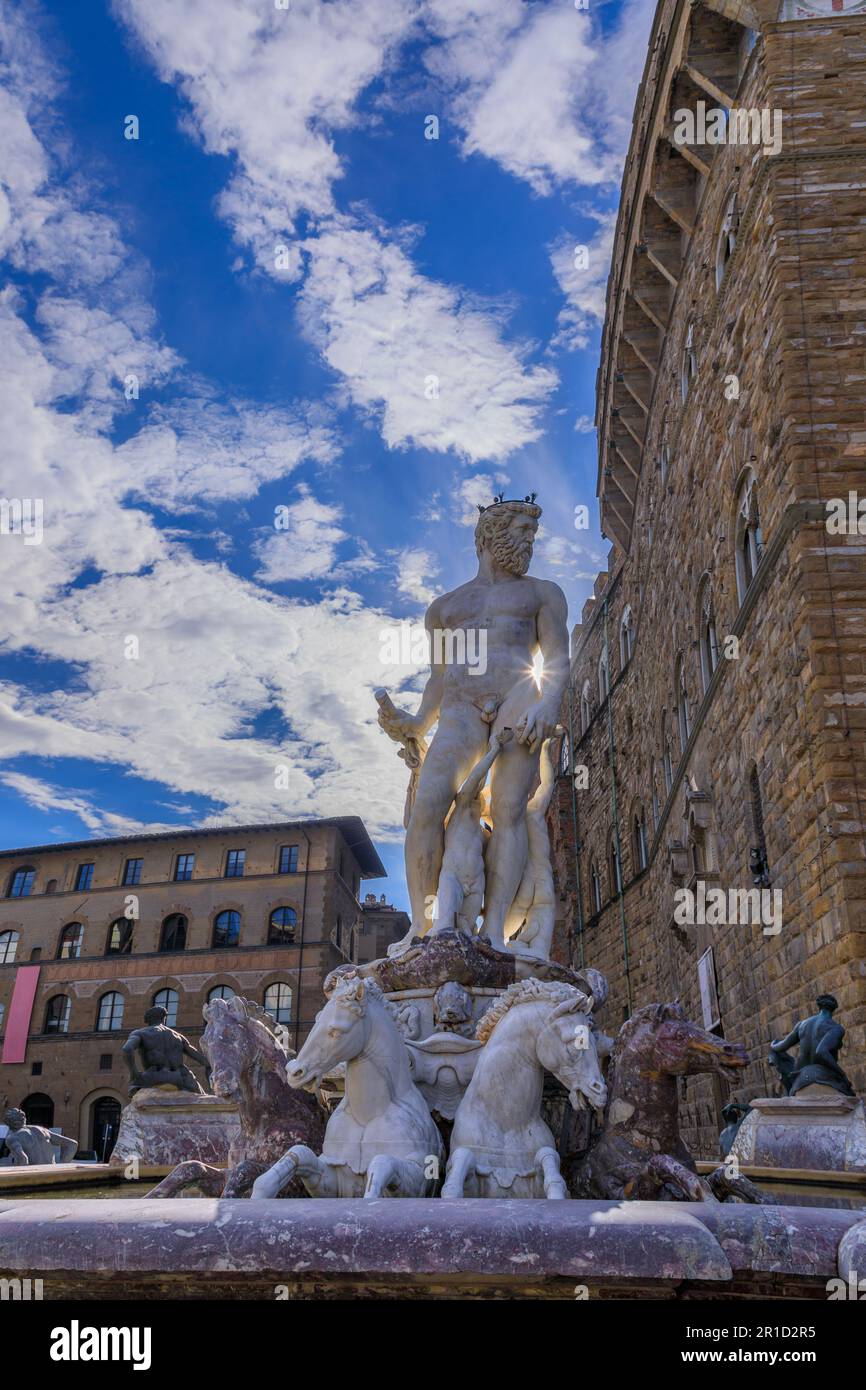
(667, 760)
(682, 697)
(71, 938)
(727, 238)
(639, 840)
(39, 1110)
(603, 679)
(708, 642)
(8, 946)
(167, 999)
(173, 934)
(220, 992)
(278, 1002)
(227, 929)
(626, 638)
(758, 863)
(747, 534)
(281, 927)
(21, 883)
(690, 361)
(565, 756)
(119, 937)
(655, 795)
(109, 1016)
(613, 866)
(57, 1014)
(585, 708)
(664, 460)
(595, 887)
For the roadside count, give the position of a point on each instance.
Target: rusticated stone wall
(788, 698)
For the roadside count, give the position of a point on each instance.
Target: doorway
(104, 1124)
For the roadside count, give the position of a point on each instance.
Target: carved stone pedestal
(162, 1127)
(818, 1130)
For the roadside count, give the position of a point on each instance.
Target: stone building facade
(382, 924)
(717, 702)
(94, 933)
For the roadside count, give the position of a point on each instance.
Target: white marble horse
(500, 1145)
(381, 1140)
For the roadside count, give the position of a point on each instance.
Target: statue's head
(452, 1003)
(507, 530)
(15, 1119)
(155, 1015)
(827, 1001)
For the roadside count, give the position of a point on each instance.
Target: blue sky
(322, 312)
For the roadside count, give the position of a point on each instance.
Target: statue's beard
(513, 556)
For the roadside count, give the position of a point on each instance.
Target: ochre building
(717, 703)
(94, 933)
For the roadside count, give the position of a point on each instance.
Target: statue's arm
(829, 1044)
(397, 723)
(130, 1048)
(475, 781)
(784, 1044)
(15, 1147)
(194, 1052)
(552, 627)
(68, 1147)
(431, 700)
(539, 721)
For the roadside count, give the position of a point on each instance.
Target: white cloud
(414, 568)
(215, 651)
(537, 88)
(584, 286)
(477, 491)
(199, 449)
(432, 368)
(305, 544)
(269, 87)
(44, 797)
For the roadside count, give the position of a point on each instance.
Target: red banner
(20, 1012)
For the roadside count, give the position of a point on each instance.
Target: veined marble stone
(162, 1127)
(452, 956)
(817, 1129)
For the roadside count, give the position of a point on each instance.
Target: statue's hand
(399, 724)
(534, 726)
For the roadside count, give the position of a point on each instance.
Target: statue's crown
(501, 500)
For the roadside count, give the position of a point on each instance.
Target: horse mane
(242, 1010)
(657, 1014)
(348, 981)
(525, 992)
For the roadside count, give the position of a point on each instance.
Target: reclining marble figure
(34, 1144)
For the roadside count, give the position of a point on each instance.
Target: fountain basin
(430, 1249)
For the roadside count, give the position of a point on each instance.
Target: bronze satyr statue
(33, 1144)
(161, 1050)
(819, 1039)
